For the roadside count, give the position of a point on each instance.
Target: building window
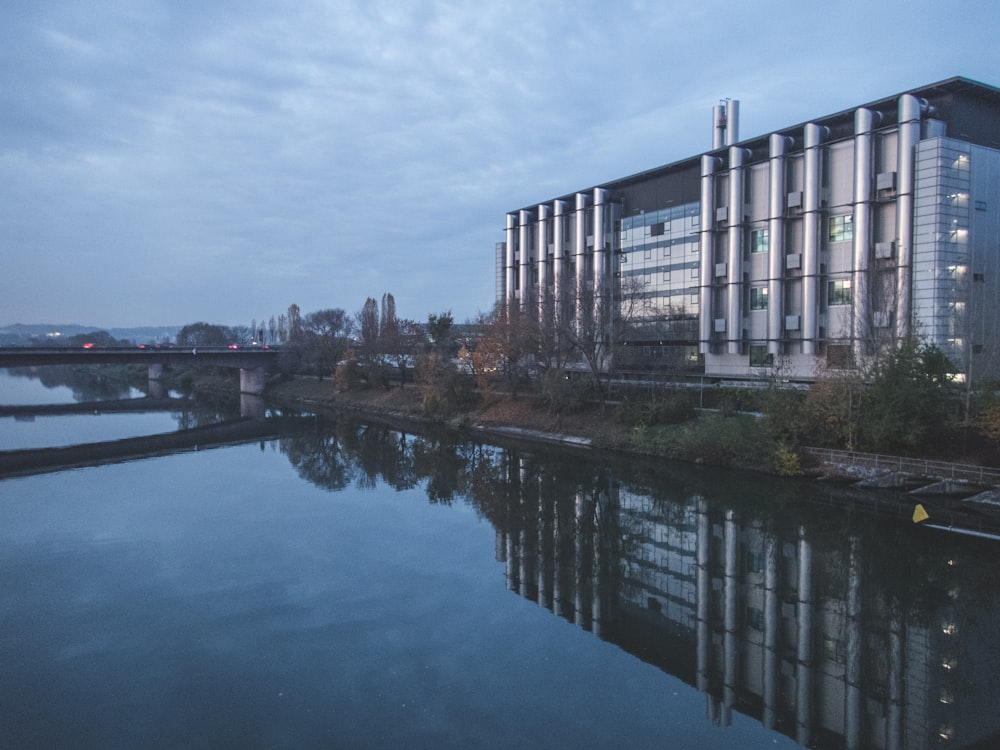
(758, 298)
(839, 292)
(760, 357)
(666, 276)
(755, 618)
(834, 650)
(656, 230)
(841, 228)
(758, 241)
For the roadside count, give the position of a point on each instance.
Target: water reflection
(836, 628)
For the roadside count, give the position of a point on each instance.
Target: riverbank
(519, 417)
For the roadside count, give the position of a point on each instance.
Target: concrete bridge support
(154, 384)
(252, 380)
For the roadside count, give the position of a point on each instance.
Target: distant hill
(21, 334)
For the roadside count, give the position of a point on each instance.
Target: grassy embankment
(733, 440)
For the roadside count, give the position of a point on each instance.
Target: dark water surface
(354, 586)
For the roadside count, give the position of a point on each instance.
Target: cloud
(171, 162)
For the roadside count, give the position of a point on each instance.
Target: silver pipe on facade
(732, 121)
(863, 160)
(776, 242)
(600, 254)
(542, 251)
(558, 261)
(910, 110)
(580, 256)
(524, 268)
(706, 252)
(734, 269)
(718, 127)
(510, 235)
(810, 236)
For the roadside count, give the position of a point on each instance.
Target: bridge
(253, 363)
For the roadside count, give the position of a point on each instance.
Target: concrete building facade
(805, 248)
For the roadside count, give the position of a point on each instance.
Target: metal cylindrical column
(718, 127)
(863, 159)
(600, 254)
(776, 242)
(732, 121)
(707, 252)
(810, 238)
(558, 261)
(734, 289)
(909, 135)
(580, 257)
(542, 245)
(510, 236)
(524, 268)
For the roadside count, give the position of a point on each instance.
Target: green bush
(675, 407)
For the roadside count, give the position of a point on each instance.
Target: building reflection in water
(773, 598)
(836, 637)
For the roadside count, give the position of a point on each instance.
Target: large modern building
(805, 248)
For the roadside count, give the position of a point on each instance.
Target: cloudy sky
(170, 161)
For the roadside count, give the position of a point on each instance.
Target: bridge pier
(252, 380)
(154, 384)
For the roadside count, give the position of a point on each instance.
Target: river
(342, 584)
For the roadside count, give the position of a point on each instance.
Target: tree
(204, 334)
(507, 347)
(294, 322)
(368, 326)
(593, 337)
(440, 333)
(444, 388)
(909, 398)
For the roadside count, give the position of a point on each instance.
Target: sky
(164, 162)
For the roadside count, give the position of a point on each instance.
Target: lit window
(840, 292)
(758, 298)
(758, 241)
(841, 228)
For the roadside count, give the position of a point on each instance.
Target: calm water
(350, 585)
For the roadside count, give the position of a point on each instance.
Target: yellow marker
(919, 514)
